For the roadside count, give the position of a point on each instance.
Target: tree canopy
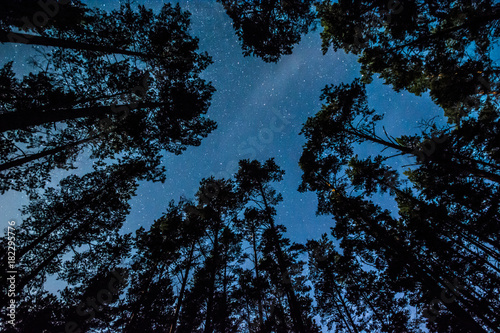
(106, 102)
(411, 248)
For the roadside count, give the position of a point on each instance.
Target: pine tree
(282, 265)
(270, 29)
(81, 99)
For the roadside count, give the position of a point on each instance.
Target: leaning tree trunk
(36, 156)
(21, 120)
(22, 38)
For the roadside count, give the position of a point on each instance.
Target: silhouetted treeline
(125, 87)
(119, 84)
(219, 263)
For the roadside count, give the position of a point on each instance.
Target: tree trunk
(295, 310)
(22, 38)
(460, 229)
(21, 120)
(257, 276)
(428, 279)
(344, 306)
(24, 281)
(180, 298)
(100, 193)
(432, 157)
(33, 157)
(224, 292)
(213, 273)
(385, 327)
(136, 306)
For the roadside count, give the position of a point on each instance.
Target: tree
(213, 279)
(269, 29)
(436, 236)
(93, 303)
(43, 16)
(150, 297)
(192, 232)
(82, 215)
(253, 284)
(253, 180)
(75, 26)
(419, 45)
(346, 120)
(40, 311)
(85, 99)
(353, 299)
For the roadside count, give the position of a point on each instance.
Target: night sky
(260, 109)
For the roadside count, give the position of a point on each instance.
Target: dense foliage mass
(123, 83)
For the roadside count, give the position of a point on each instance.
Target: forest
(412, 247)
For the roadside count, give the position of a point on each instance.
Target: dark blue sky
(260, 109)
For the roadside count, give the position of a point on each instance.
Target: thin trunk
(257, 276)
(476, 255)
(432, 283)
(295, 310)
(22, 38)
(460, 229)
(470, 301)
(471, 160)
(335, 304)
(137, 304)
(224, 284)
(482, 247)
(213, 273)
(180, 298)
(344, 306)
(470, 297)
(43, 236)
(33, 157)
(100, 193)
(21, 120)
(24, 281)
(374, 310)
(432, 157)
(83, 100)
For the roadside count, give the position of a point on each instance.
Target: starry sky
(260, 109)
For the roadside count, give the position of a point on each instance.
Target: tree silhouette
(212, 282)
(345, 120)
(30, 16)
(253, 180)
(74, 217)
(83, 99)
(269, 29)
(352, 299)
(442, 232)
(443, 48)
(42, 311)
(253, 283)
(126, 86)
